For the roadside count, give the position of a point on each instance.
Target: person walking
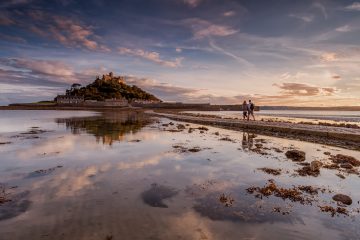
(245, 110)
(250, 108)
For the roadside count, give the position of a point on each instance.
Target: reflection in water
(16, 206)
(247, 140)
(156, 194)
(243, 209)
(109, 127)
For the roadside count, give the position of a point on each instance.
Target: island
(108, 91)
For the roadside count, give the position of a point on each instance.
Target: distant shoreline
(64, 108)
(340, 108)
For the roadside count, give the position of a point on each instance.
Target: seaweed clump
(271, 171)
(294, 194)
(333, 211)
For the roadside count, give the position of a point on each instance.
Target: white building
(67, 99)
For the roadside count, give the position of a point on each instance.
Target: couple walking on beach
(248, 109)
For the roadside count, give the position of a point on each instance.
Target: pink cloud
(151, 56)
(71, 33)
(302, 89)
(329, 57)
(66, 31)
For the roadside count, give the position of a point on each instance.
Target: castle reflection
(108, 127)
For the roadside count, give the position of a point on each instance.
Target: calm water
(128, 176)
(352, 117)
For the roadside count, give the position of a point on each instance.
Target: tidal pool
(126, 175)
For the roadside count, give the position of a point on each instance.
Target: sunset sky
(276, 52)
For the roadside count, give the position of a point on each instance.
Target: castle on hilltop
(111, 77)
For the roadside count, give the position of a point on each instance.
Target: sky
(275, 52)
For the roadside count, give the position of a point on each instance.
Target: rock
(271, 171)
(278, 150)
(346, 166)
(226, 139)
(203, 128)
(340, 158)
(296, 155)
(315, 165)
(306, 171)
(258, 145)
(194, 149)
(180, 126)
(340, 176)
(343, 199)
(327, 153)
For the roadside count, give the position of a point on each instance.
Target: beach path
(349, 137)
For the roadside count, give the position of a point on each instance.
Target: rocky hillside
(102, 89)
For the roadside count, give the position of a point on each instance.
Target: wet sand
(126, 175)
(336, 136)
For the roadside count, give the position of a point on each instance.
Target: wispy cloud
(15, 93)
(165, 91)
(305, 18)
(353, 7)
(40, 72)
(229, 13)
(202, 28)
(322, 9)
(11, 3)
(227, 53)
(345, 28)
(192, 3)
(329, 57)
(46, 67)
(302, 89)
(151, 56)
(5, 19)
(11, 38)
